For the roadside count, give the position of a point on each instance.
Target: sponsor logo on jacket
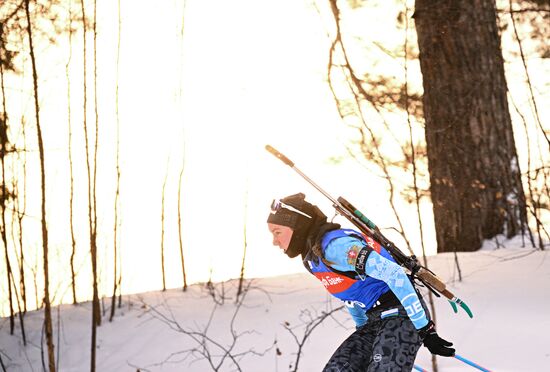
(333, 282)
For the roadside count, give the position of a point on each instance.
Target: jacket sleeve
(341, 254)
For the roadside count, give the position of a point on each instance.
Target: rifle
(369, 228)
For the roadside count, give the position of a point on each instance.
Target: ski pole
(418, 368)
(469, 362)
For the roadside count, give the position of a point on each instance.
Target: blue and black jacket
(343, 251)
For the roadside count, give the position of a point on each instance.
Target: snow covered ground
(508, 290)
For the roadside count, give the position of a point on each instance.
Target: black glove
(434, 343)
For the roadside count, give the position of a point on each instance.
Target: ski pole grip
(280, 156)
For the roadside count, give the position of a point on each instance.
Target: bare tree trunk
(22, 266)
(47, 307)
(4, 150)
(8, 264)
(4, 196)
(241, 276)
(18, 214)
(162, 231)
(117, 192)
(93, 252)
(474, 171)
(71, 171)
(34, 270)
(21, 303)
(20, 311)
(180, 231)
(94, 181)
(20, 211)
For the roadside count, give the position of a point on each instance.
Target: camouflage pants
(388, 345)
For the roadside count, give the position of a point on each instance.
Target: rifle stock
(436, 283)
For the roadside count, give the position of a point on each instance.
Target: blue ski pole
(469, 362)
(418, 368)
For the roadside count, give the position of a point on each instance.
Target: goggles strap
(277, 204)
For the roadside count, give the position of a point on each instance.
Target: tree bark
(474, 170)
(47, 307)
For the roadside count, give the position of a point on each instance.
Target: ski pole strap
(470, 363)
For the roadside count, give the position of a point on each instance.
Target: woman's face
(281, 235)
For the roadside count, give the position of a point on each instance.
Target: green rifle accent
(364, 219)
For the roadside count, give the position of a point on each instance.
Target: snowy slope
(508, 290)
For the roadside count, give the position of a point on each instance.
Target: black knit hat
(292, 213)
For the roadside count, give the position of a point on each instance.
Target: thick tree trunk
(474, 172)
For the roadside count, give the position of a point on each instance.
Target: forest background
(154, 123)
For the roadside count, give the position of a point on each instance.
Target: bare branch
(216, 353)
(310, 323)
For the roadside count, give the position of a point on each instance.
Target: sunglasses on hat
(277, 204)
